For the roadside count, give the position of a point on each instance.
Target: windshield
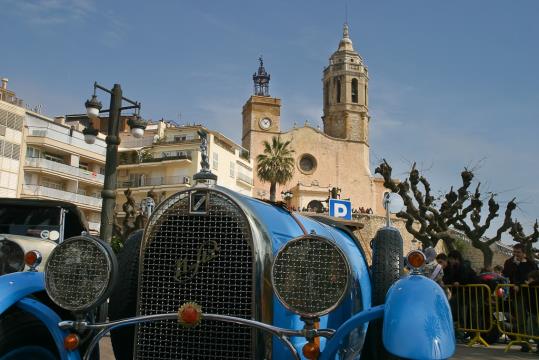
(29, 220)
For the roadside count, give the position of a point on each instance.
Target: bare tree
(517, 232)
(430, 221)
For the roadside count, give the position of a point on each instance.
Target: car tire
(24, 336)
(123, 299)
(387, 267)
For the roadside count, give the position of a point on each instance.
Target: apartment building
(59, 165)
(168, 156)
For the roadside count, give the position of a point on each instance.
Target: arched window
(354, 91)
(338, 88)
(326, 93)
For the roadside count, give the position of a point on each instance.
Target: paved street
(463, 352)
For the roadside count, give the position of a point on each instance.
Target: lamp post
(287, 197)
(93, 109)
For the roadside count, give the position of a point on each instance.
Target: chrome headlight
(80, 273)
(310, 276)
(11, 257)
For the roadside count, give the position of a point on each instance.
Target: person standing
(517, 268)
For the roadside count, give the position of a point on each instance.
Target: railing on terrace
(76, 139)
(136, 143)
(245, 178)
(178, 141)
(154, 181)
(38, 190)
(130, 161)
(64, 168)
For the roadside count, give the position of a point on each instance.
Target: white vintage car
(30, 228)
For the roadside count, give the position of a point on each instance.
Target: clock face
(265, 123)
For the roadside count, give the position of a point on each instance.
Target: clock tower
(261, 113)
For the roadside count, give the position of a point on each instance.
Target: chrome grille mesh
(221, 284)
(310, 275)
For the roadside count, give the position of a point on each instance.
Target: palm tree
(276, 164)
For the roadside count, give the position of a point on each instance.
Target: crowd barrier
(472, 309)
(517, 312)
(486, 313)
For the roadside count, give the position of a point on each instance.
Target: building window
(232, 169)
(338, 90)
(84, 166)
(354, 91)
(54, 158)
(215, 161)
(307, 164)
(326, 94)
(32, 152)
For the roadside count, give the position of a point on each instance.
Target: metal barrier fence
(472, 308)
(517, 312)
(487, 313)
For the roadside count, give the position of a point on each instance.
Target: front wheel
(24, 337)
(387, 265)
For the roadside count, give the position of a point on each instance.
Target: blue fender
(16, 286)
(417, 320)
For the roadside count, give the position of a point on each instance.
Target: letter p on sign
(340, 208)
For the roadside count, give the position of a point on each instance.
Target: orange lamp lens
(311, 350)
(416, 259)
(31, 257)
(190, 315)
(71, 342)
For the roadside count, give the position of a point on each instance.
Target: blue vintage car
(218, 275)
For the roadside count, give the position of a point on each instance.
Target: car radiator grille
(222, 285)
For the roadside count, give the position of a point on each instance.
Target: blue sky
(452, 83)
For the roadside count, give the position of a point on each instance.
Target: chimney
(4, 83)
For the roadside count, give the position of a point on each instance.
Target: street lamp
(93, 109)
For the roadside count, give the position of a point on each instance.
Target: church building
(335, 157)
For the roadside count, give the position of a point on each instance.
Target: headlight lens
(11, 257)
(310, 276)
(80, 273)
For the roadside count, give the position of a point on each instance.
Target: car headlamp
(11, 257)
(80, 273)
(310, 276)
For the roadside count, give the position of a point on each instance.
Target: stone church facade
(335, 157)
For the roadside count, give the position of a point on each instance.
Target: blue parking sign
(340, 208)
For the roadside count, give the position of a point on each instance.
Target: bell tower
(346, 111)
(261, 113)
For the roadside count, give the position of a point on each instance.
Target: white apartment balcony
(245, 178)
(38, 191)
(63, 169)
(94, 226)
(156, 182)
(47, 136)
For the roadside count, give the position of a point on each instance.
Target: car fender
(417, 320)
(16, 286)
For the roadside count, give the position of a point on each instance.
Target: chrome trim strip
(281, 333)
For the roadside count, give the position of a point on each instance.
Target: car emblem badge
(198, 202)
(187, 268)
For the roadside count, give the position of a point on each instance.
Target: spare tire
(123, 300)
(387, 267)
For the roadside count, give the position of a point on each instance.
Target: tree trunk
(273, 189)
(487, 256)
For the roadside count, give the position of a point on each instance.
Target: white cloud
(51, 12)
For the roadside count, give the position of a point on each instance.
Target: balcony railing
(75, 139)
(130, 161)
(64, 168)
(38, 190)
(178, 141)
(155, 181)
(245, 178)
